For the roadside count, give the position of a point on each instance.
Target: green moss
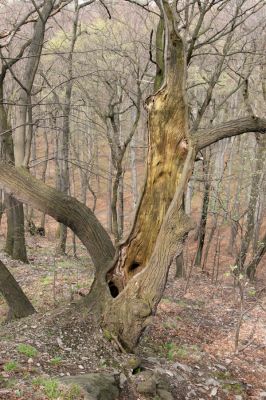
(107, 335)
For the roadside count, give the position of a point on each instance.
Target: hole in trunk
(134, 266)
(113, 289)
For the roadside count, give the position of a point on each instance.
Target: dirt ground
(194, 331)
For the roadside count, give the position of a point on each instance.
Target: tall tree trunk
(109, 194)
(64, 140)
(15, 240)
(134, 179)
(44, 170)
(120, 213)
(22, 136)
(204, 212)
(115, 197)
(251, 268)
(235, 207)
(253, 198)
(2, 205)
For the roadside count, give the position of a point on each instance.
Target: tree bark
(228, 129)
(15, 240)
(204, 213)
(2, 206)
(251, 268)
(64, 137)
(253, 198)
(22, 138)
(19, 304)
(168, 138)
(62, 208)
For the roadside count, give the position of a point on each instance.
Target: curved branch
(63, 208)
(228, 129)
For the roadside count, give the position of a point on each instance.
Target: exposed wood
(168, 148)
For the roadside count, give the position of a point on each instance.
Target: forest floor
(192, 338)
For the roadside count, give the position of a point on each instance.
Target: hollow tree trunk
(168, 138)
(19, 304)
(159, 229)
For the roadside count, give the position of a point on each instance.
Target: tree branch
(228, 129)
(65, 209)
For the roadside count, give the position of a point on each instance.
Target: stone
(148, 386)
(214, 391)
(164, 394)
(163, 371)
(262, 395)
(212, 382)
(97, 386)
(183, 367)
(221, 367)
(122, 380)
